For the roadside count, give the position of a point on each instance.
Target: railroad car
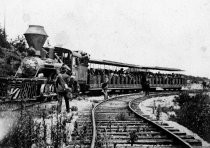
(35, 78)
(123, 76)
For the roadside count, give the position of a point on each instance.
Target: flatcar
(36, 76)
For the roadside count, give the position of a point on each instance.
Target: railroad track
(82, 134)
(118, 123)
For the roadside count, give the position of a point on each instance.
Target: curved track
(118, 123)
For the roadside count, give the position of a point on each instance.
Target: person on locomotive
(62, 88)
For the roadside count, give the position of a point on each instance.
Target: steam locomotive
(36, 76)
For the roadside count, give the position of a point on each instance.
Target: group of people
(145, 86)
(65, 82)
(172, 75)
(110, 73)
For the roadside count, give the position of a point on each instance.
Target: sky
(167, 33)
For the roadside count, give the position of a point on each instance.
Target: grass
(40, 126)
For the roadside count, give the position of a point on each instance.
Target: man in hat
(105, 87)
(62, 88)
(147, 88)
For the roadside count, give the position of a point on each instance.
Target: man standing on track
(143, 82)
(62, 88)
(147, 88)
(105, 88)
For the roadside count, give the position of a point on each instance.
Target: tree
(9, 62)
(3, 39)
(11, 53)
(194, 113)
(19, 44)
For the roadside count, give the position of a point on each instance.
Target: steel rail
(172, 135)
(93, 128)
(93, 116)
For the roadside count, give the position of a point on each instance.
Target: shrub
(96, 101)
(194, 113)
(74, 108)
(21, 134)
(167, 109)
(120, 117)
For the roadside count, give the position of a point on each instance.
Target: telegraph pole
(4, 20)
(5, 24)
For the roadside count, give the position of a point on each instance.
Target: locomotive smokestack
(36, 37)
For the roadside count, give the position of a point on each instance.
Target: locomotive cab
(77, 61)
